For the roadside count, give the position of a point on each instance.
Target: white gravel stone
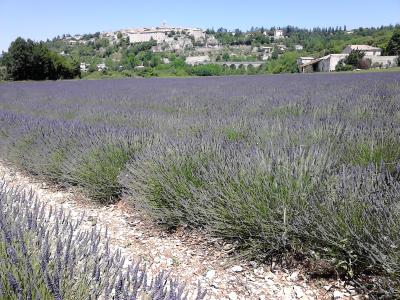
(294, 276)
(170, 262)
(237, 269)
(299, 291)
(233, 296)
(337, 295)
(210, 274)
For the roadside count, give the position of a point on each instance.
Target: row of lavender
(283, 164)
(45, 254)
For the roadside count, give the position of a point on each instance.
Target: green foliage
(206, 70)
(342, 67)
(234, 134)
(353, 242)
(122, 57)
(352, 61)
(254, 201)
(393, 47)
(286, 63)
(27, 60)
(3, 73)
(97, 170)
(386, 152)
(354, 58)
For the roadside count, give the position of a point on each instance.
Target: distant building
(147, 35)
(278, 34)
(329, 62)
(267, 52)
(281, 47)
(368, 50)
(212, 42)
(197, 33)
(197, 60)
(267, 49)
(298, 47)
(101, 67)
(84, 67)
(160, 34)
(304, 60)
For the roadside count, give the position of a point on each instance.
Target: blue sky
(41, 19)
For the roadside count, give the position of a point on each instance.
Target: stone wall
(382, 61)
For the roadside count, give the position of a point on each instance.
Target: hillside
(171, 51)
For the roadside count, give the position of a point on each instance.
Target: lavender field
(300, 166)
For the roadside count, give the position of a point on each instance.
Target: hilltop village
(189, 51)
(234, 50)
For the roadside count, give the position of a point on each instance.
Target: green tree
(42, 64)
(226, 56)
(27, 60)
(18, 59)
(393, 47)
(354, 58)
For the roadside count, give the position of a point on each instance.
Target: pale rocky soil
(190, 256)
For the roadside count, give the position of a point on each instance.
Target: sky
(42, 19)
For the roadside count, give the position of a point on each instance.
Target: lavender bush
(44, 254)
(281, 164)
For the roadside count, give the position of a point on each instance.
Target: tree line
(29, 60)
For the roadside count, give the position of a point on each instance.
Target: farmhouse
(368, 50)
(304, 60)
(329, 62)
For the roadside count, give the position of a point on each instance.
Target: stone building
(368, 50)
(329, 62)
(278, 34)
(197, 60)
(146, 35)
(160, 34)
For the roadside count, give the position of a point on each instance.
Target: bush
(356, 227)
(250, 198)
(275, 201)
(96, 169)
(343, 67)
(206, 70)
(67, 156)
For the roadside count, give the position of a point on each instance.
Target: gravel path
(190, 256)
